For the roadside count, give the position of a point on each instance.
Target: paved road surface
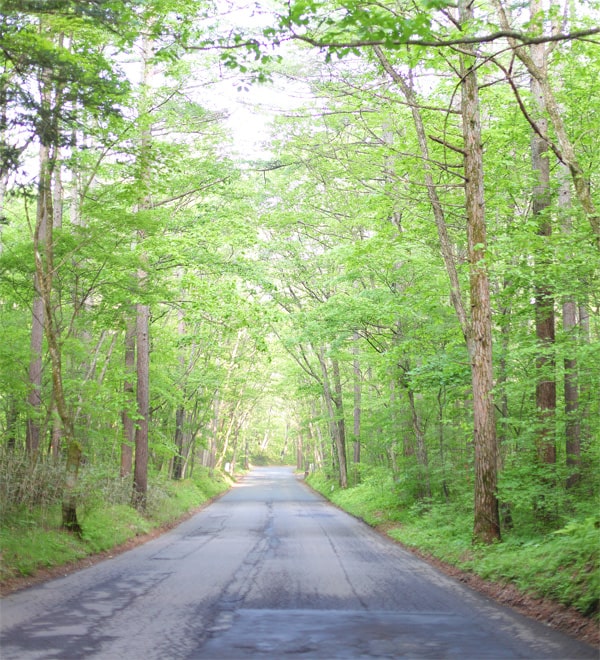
(272, 571)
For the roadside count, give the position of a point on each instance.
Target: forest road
(269, 570)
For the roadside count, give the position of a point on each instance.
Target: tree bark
(570, 379)
(336, 416)
(142, 324)
(128, 388)
(45, 273)
(34, 399)
(140, 473)
(584, 388)
(357, 408)
(545, 391)
(486, 528)
(423, 485)
(178, 459)
(177, 471)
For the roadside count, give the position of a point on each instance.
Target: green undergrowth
(32, 539)
(562, 565)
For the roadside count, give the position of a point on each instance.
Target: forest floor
(553, 614)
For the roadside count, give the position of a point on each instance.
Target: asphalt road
(270, 570)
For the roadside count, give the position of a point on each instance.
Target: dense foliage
(406, 282)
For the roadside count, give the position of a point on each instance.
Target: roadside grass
(31, 537)
(562, 565)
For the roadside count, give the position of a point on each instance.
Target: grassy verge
(32, 539)
(563, 566)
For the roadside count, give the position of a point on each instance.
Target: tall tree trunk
(34, 399)
(476, 330)
(584, 389)
(128, 388)
(140, 472)
(336, 419)
(571, 392)
(357, 409)
(56, 431)
(178, 459)
(177, 471)
(423, 485)
(570, 379)
(228, 433)
(142, 325)
(486, 528)
(214, 432)
(340, 423)
(45, 273)
(545, 392)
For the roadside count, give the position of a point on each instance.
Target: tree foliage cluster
(410, 284)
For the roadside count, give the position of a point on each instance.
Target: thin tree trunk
(336, 424)
(45, 273)
(142, 325)
(567, 151)
(34, 399)
(423, 485)
(128, 388)
(357, 409)
(227, 435)
(214, 435)
(584, 389)
(178, 458)
(340, 423)
(393, 451)
(436, 205)
(571, 392)
(140, 473)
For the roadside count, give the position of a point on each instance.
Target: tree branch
(439, 43)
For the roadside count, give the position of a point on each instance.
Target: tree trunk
(340, 436)
(423, 485)
(142, 324)
(571, 391)
(228, 432)
(357, 410)
(34, 399)
(434, 200)
(545, 391)
(140, 473)
(570, 381)
(336, 423)
(128, 388)
(178, 458)
(584, 389)
(45, 273)
(486, 528)
(568, 156)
